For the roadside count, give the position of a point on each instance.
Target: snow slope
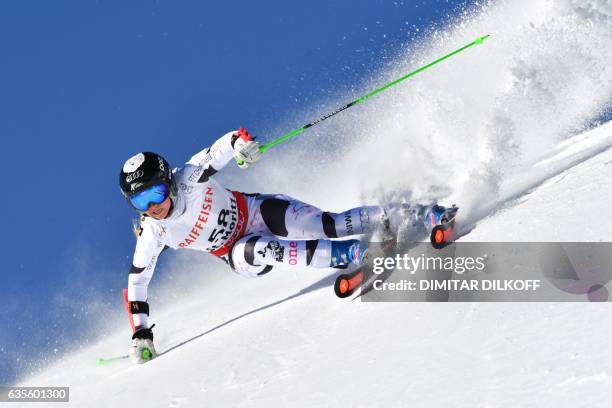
(286, 339)
(511, 134)
(569, 205)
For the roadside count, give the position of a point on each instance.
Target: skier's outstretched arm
(147, 251)
(236, 144)
(146, 254)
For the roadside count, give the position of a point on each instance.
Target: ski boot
(347, 252)
(440, 222)
(409, 222)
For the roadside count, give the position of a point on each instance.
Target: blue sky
(86, 84)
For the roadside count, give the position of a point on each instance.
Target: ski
(347, 283)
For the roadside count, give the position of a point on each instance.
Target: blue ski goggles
(152, 195)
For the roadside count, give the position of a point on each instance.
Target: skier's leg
(252, 252)
(236, 260)
(287, 217)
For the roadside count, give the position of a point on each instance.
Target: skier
(187, 208)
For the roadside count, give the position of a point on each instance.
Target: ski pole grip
(262, 149)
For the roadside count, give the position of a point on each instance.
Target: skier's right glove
(142, 348)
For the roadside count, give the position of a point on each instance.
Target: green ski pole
(106, 361)
(295, 132)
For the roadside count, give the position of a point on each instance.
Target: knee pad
(241, 258)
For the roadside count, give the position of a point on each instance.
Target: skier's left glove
(142, 348)
(246, 149)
